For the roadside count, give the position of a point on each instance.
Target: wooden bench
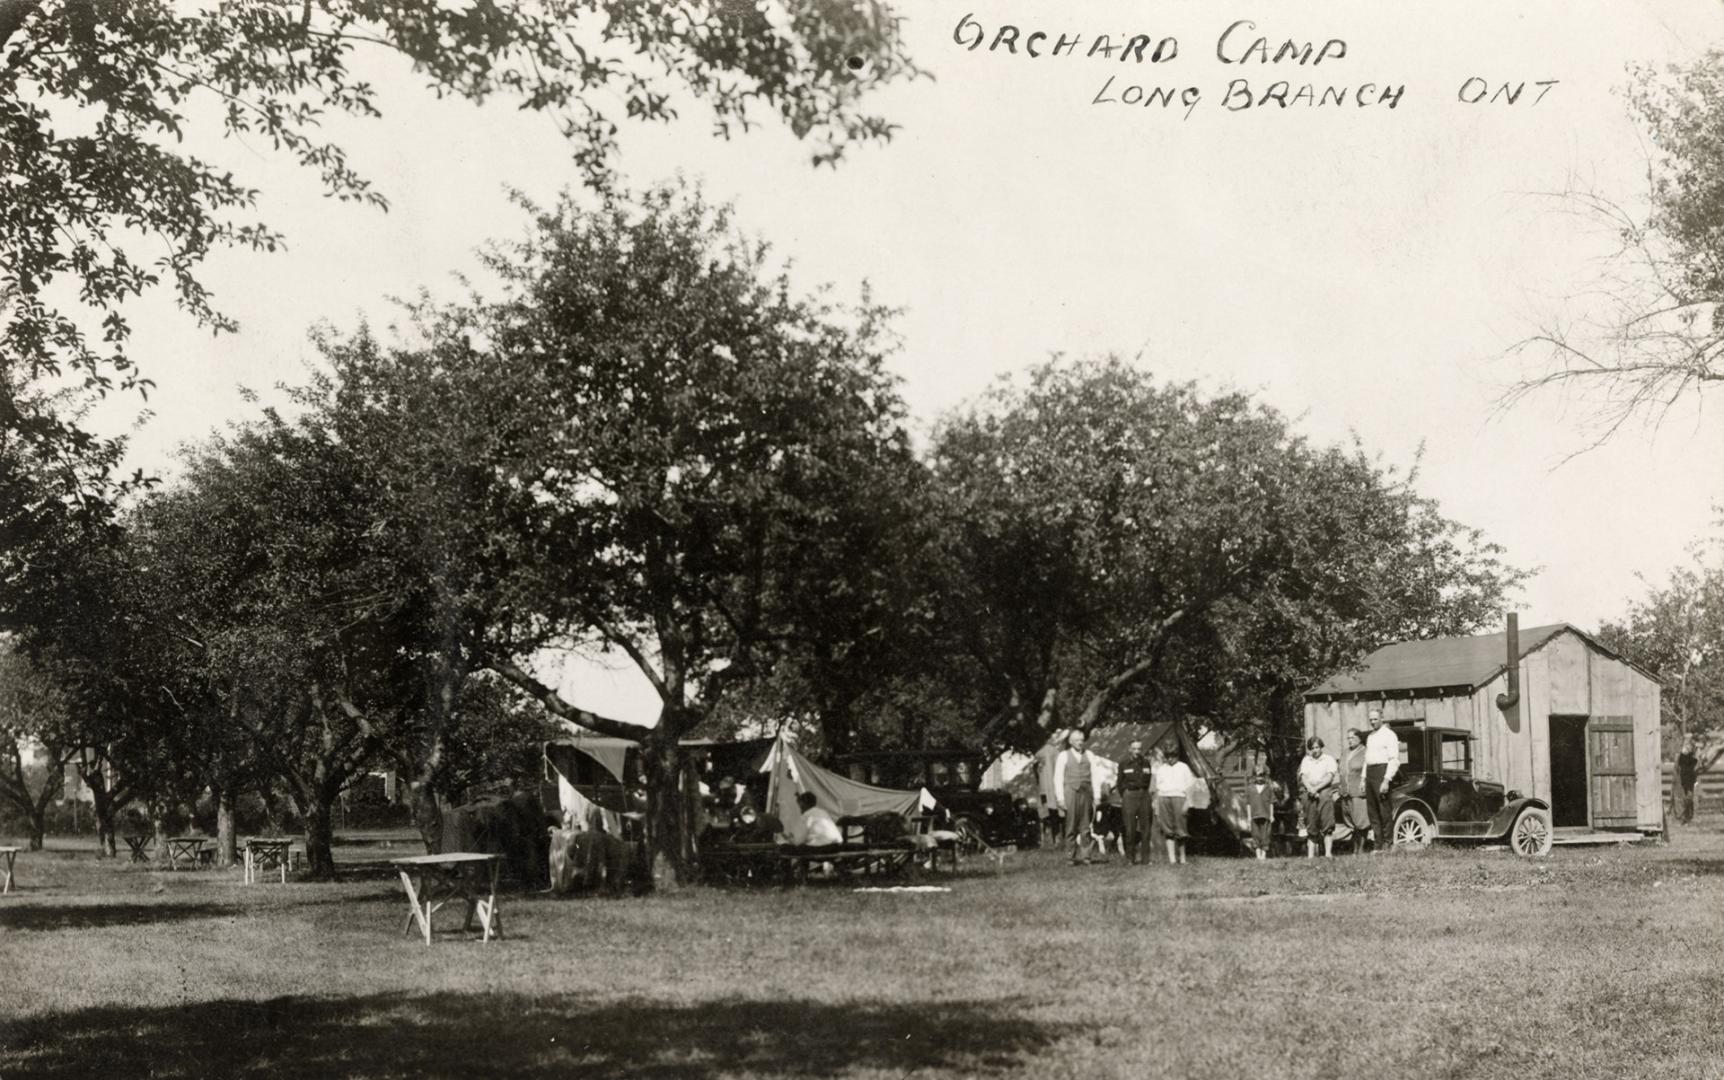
(845, 859)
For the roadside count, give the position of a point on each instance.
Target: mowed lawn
(1594, 962)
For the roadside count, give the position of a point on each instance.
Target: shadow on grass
(98, 916)
(445, 1034)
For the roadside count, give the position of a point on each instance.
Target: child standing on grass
(1260, 802)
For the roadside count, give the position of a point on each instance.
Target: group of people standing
(1153, 790)
(1348, 797)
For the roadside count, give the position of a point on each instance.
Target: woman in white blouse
(1319, 783)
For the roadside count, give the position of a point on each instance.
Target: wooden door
(1612, 761)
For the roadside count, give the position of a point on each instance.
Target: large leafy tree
(1123, 540)
(423, 430)
(273, 576)
(96, 96)
(693, 447)
(1378, 563)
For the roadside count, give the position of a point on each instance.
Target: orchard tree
(36, 740)
(1648, 336)
(273, 576)
(97, 98)
(1677, 631)
(423, 432)
(1124, 540)
(1377, 563)
(694, 443)
(1101, 515)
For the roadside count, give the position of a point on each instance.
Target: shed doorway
(1569, 785)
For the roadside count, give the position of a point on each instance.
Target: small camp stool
(7, 855)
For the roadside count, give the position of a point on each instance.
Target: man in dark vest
(1077, 784)
(1133, 786)
(1687, 772)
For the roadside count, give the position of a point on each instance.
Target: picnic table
(431, 881)
(140, 845)
(7, 855)
(187, 849)
(266, 853)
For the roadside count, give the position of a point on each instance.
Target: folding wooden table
(187, 849)
(140, 845)
(432, 881)
(266, 853)
(7, 855)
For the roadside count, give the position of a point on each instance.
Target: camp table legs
(188, 849)
(7, 855)
(140, 846)
(429, 887)
(261, 855)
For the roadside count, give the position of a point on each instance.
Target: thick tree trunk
(38, 826)
(225, 849)
(104, 803)
(320, 837)
(427, 816)
(159, 826)
(669, 845)
(105, 808)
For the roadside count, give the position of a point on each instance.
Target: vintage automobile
(995, 818)
(1435, 796)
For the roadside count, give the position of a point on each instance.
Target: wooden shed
(1583, 733)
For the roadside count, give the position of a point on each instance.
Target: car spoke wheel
(1531, 834)
(1412, 830)
(970, 840)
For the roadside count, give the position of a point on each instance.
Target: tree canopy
(103, 200)
(1676, 630)
(1646, 336)
(1119, 537)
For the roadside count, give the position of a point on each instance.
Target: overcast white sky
(1360, 268)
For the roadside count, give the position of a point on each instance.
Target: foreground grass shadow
(49, 917)
(456, 1035)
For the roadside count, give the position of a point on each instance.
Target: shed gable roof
(1441, 662)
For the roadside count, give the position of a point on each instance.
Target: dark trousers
(1684, 803)
(1080, 818)
(1137, 819)
(1377, 804)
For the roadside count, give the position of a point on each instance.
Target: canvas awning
(839, 795)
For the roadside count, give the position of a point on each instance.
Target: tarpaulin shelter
(841, 796)
(1113, 741)
(599, 775)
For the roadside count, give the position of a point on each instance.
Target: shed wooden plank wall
(1648, 752)
(1535, 700)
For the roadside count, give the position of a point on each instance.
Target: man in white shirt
(819, 827)
(1077, 786)
(1382, 761)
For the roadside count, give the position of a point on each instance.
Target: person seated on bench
(816, 828)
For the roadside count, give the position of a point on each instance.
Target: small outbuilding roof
(1441, 663)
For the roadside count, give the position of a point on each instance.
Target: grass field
(1593, 962)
